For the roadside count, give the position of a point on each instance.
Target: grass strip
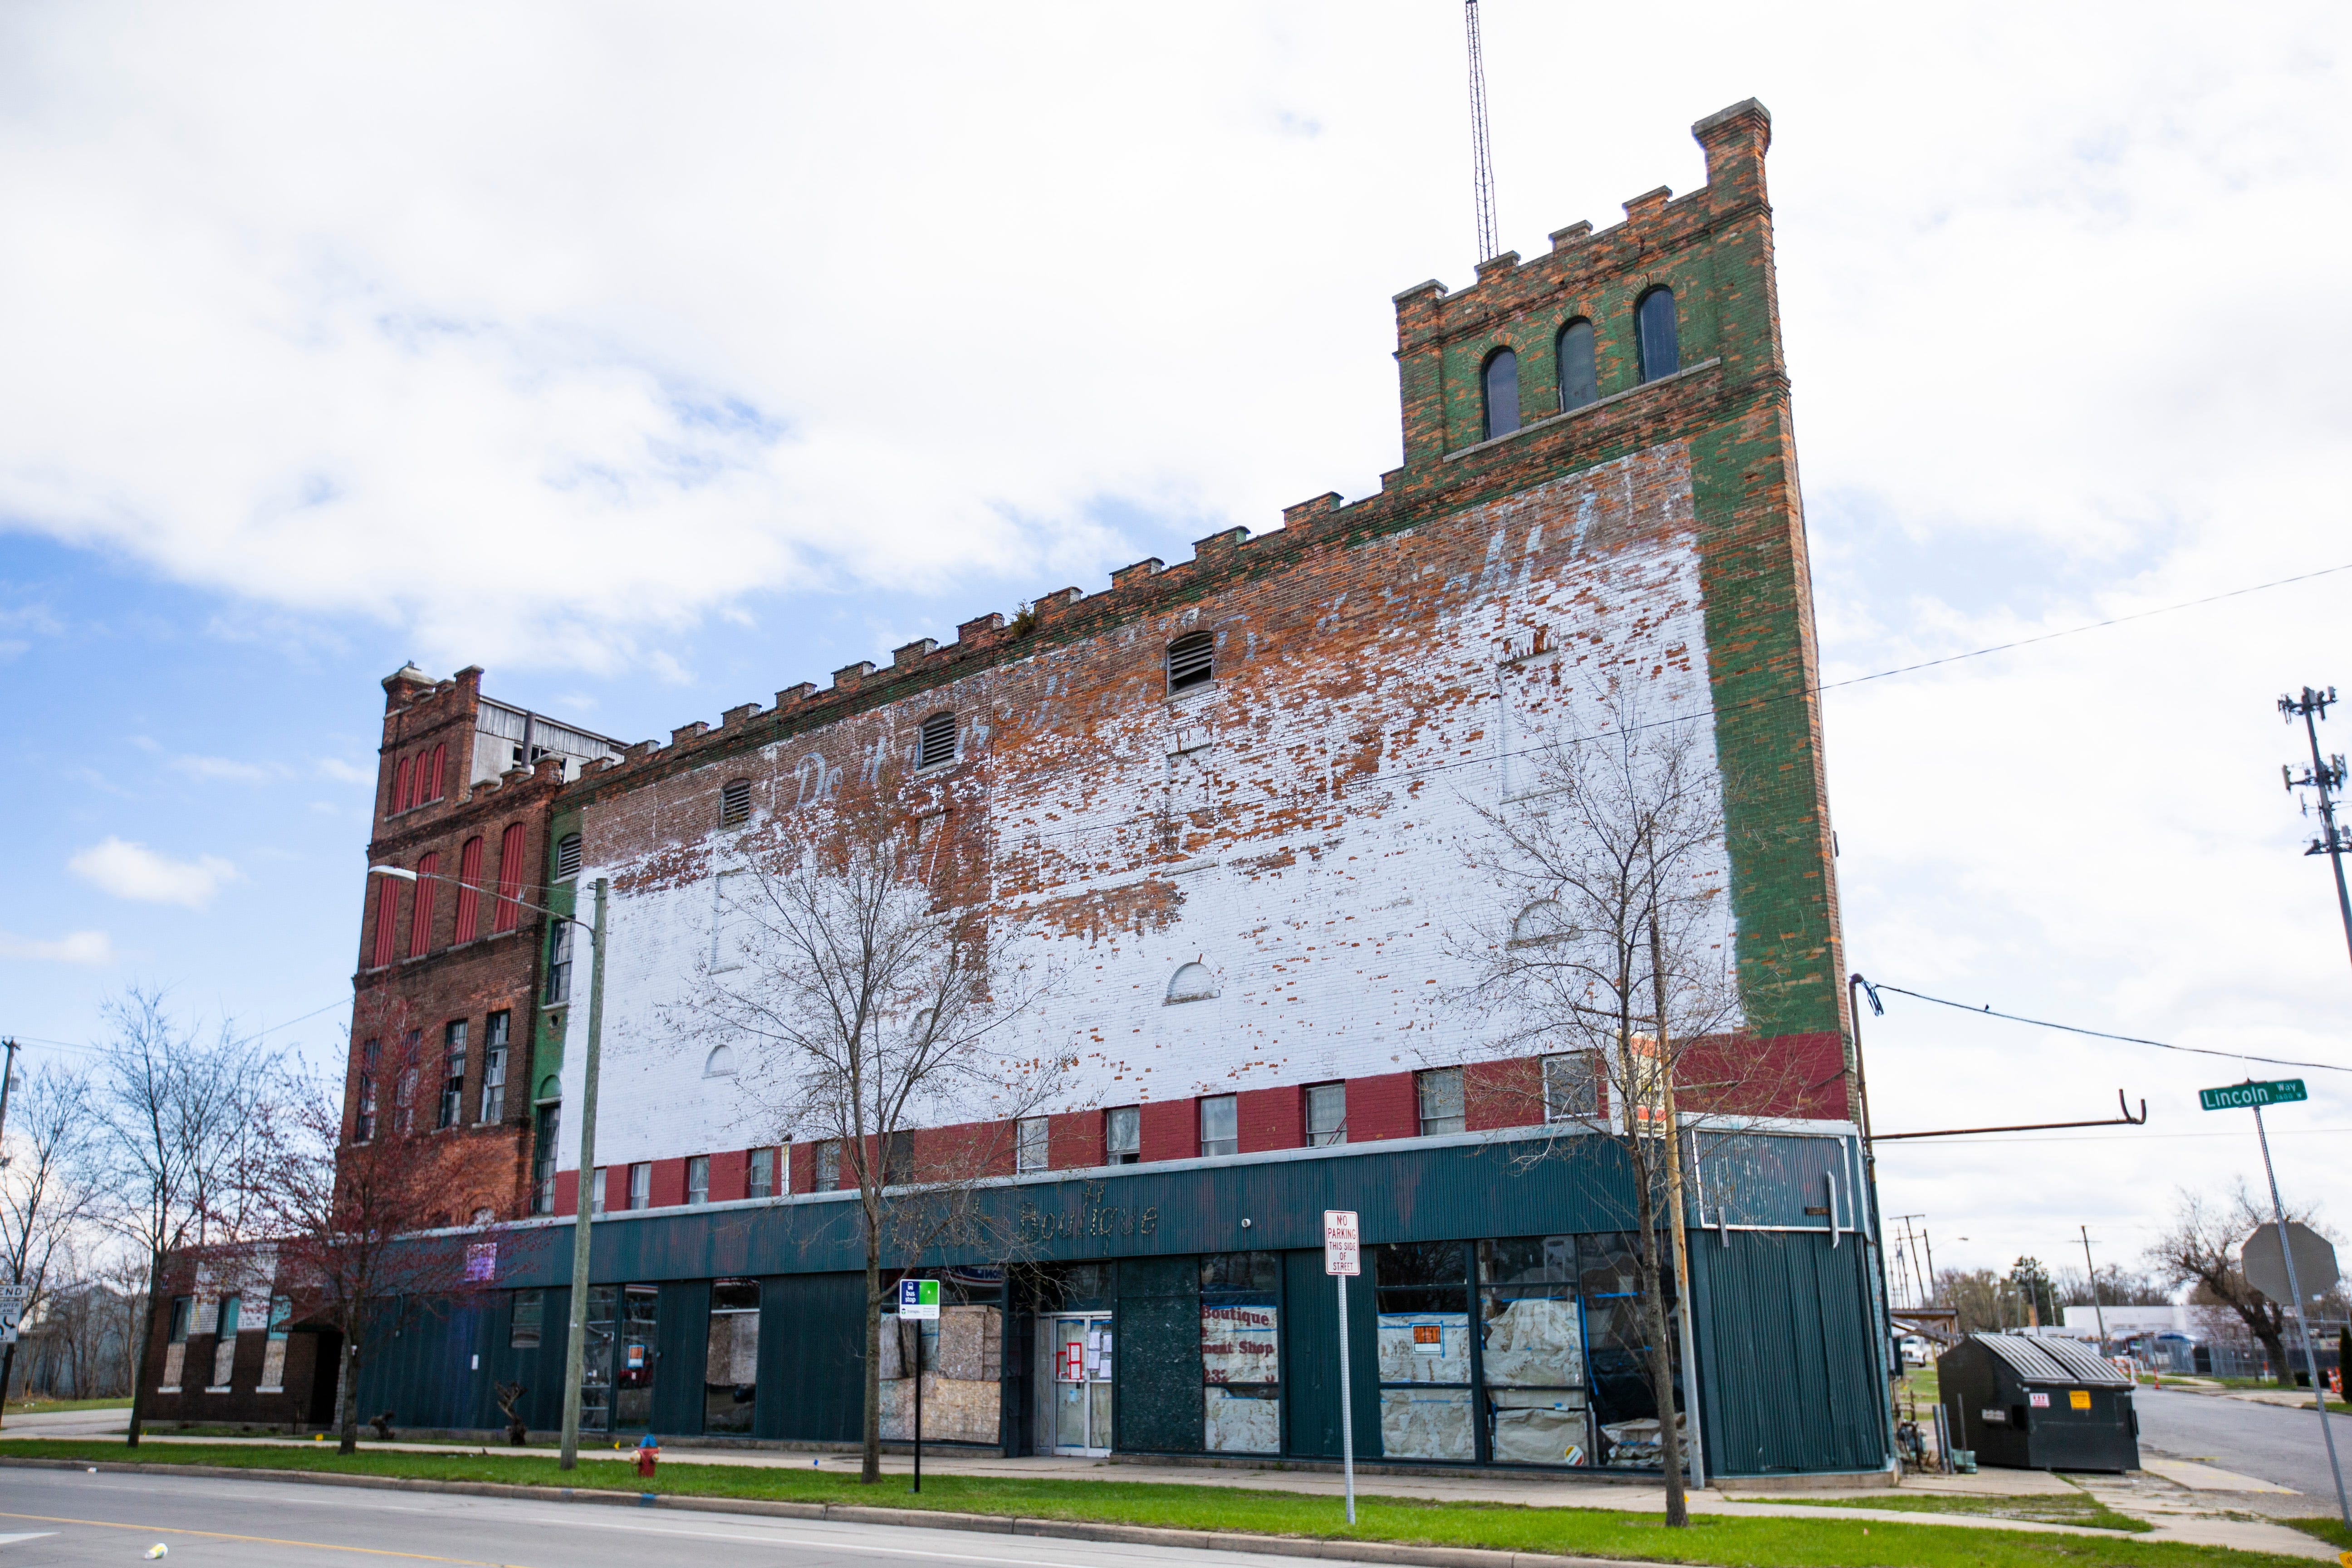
(1729, 1542)
(47, 1406)
(2081, 1508)
(2331, 1530)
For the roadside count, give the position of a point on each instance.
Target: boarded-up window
(735, 802)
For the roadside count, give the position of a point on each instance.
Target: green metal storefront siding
(1310, 1360)
(420, 1364)
(1787, 1353)
(681, 1340)
(812, 1358)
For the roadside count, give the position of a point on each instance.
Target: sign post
(1343, 1256)
(2253, 1096)
(918, 1303)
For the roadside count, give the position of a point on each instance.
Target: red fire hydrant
(648, 1452)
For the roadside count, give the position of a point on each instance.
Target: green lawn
(1732, 1542)
(2081, 1507)
(2331, 1530)
(43, 1407)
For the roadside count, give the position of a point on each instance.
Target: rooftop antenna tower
(1481, 156)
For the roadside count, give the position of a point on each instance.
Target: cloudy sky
(659, 358)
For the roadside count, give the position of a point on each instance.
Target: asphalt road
(79, 1518)
(2264, 1441)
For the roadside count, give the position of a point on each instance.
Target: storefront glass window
(1423, 1326)
(731, 1373)
(1240, 1352)
(1617, 1345)
(632, 1357)
(1531, 1345)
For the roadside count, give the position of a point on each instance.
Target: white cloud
(134, 871)
(222, 768)
(91, 947)
(345, 773)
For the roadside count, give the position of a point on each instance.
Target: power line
(88, 1049)
(1987, 1012)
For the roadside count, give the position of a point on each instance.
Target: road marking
(28, 1536)
(252, 1540)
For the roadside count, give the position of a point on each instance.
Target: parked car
(1915, 1350)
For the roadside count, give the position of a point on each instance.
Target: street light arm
(402, 874)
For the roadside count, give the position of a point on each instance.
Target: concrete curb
(914, 1518)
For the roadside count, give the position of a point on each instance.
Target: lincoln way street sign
(2240, 1096)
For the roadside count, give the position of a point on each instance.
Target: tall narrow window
(1654, 324)
(387, 923)
(1441, 1100)
(1191, 661)
(734, 802)
(1031, 1145)
(543, 1153)
(641, 1184)
(364, 1120)
(1501, 379)
(1327, 1114)
(1220, 1127)
(1579, 383)
(530, 1313)
(403, 1088)
(420, 912)
(559, 965)
(760, 1182)
(828, 1166)
(598, 1191)
(469, 892)
(567, 857)
(403, 795)
(697, 1179)
(731, 1368)
(1123, 1135)
(434, 785)
(510, 876)
(494, 1069)
(936, 744)
(1571, 1089)
(453, 1072)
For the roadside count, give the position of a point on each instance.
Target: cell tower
(1481, 156)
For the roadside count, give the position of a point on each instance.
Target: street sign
(2240, 1096)
(2266, 1262)
(1342, 1248)
(919, 1300)
(15, 1296)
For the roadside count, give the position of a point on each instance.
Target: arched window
(1542, 921)
(1579, 383)
(735, 802)
(935, 743)
(1502, 389)
(1654, 324)
(567, 857)
(1191, 983)
(509, 877)
(434, 785)
(550, 1089)
(1191, 661)
(404, 792)
(469, 892)
(720, 1063)
(420, 914)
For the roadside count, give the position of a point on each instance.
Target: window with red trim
(420, 913)
(509, 877)
(435, 783)
(403, 795)
(469, 892)
(387, 923)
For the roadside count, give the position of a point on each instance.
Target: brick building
(447, 981)
(1234, 799)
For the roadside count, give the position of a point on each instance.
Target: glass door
(1082, 1383)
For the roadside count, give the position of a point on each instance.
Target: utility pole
(8, 1078)
(576, 1339)
(2093, 1270)
(1929, 1242)
(1482, 154)
(2326, 776)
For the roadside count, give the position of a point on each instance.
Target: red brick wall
(1382, 1107)
(669, 1183)
(1270, 1118)
(1507, 1093)
(1075, 1140)
(1172, 1129)
(567, 1192)
(730, 1171)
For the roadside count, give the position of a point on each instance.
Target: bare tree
(1612, 960)
(173, 1118)
(2199, 1248)
(44, 1193)
(872, 1000)
(342, 1216)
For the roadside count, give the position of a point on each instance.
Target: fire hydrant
(648, 1452)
